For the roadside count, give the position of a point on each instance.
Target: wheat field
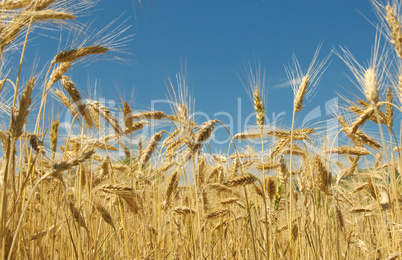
(67, 196)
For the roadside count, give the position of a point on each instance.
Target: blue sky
(213, 40)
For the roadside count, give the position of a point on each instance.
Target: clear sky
(214, 39)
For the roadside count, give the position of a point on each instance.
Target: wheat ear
(58, 72)
(389, 109)
(323, 175)
(67, 102)
(128, 122)
(153, 144)
(54, 132)
(271, 187)
(217, 214)
(352, 150)
(172, 187)
(77, 215)
(105, 214)
(301, 91)
(155, 115)
(107, 115)
(11, 5)
(371, 86)
(240, 181)
(21, 117)
(242, 136)
(259, 108)
(395, 27)
(69, 86)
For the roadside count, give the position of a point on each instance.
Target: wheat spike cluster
(106, 192)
